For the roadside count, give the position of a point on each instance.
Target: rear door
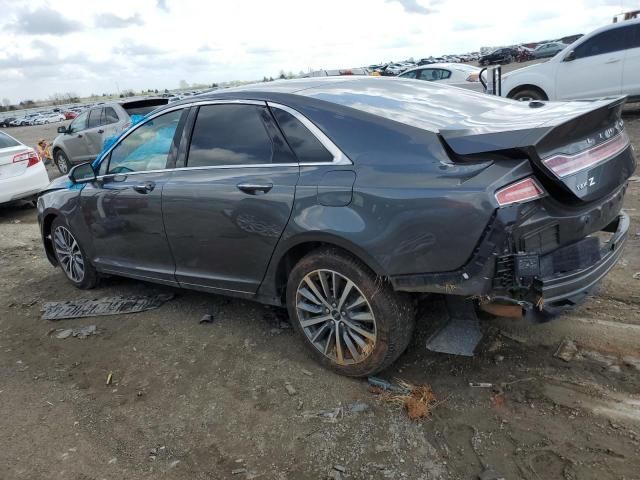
(225, 210)
(597, 68)
(123, 209)
(631, 69)
(94, 133)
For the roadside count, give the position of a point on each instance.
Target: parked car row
(39, 118)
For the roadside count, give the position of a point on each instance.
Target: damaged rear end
(560, 228)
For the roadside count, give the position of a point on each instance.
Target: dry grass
(418, 402)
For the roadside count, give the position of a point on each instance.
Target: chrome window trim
(339, 158)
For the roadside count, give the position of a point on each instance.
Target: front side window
(229, 134)
(94, 117)
(79, 123)
(147, 147)
(304, 144)
(610, 41)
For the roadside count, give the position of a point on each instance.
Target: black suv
(499, 56)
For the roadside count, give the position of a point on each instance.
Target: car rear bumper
(567, 285)
(32, 181)
(535, 259)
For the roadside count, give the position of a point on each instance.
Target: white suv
(603, 63)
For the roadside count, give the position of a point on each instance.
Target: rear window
(142, 107)
(6, 141)
(304, 144)
(229, 135)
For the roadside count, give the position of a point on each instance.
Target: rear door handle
(145, 187)
(101, 131)
(613, 60)
(255, 188)
(79, 135)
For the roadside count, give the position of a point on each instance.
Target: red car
(69, 115)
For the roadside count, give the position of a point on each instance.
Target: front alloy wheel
(62, 162)
(71, 256)
(350, 319)
(68, 254)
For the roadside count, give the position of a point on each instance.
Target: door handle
(613, 60)
(101, 131)
(255, 188)
(79, 135)
(145, 187)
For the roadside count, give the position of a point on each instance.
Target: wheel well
(56, 150)
(46, 232)
(295, 254)
(520, 88)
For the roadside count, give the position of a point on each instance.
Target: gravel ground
(210, 401)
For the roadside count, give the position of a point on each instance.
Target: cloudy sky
(89, 46)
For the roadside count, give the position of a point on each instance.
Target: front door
(123, 209)
(224, 213)
(596, 70)
(74, 144)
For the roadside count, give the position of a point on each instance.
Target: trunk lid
(579, 150)
(8, 169)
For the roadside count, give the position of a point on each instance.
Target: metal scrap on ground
(102, 306)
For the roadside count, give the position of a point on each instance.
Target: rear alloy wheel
(62, 162)
(71, 256)
(351, 322)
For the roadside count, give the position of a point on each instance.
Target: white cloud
(54, 45)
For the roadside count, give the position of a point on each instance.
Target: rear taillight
(31, 157)
(563, 165)
(519, 192)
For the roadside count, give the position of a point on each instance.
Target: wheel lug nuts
(334, 305)
(326, 310)
(344, 314)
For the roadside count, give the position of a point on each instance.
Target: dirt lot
(208, 401)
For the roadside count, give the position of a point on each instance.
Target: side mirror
(570, 56)
(82, 173)
(63, 130)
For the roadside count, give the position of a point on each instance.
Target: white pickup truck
(603, 63)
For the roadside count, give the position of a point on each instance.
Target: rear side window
(411, 74)
(94, 118)
(110, 116)
(610, 41)
(229, 135)
(6, 141)
(147, 147)
(304, 144)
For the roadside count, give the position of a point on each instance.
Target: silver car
(84, 138)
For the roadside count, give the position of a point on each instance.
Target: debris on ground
(82, 332)
(490, 474)
(331, 414)
(417, 400)
(357, 407)
(339, 468)
(633, 362)
(109, 378)
(289, 388)
(636, 275)
(206, 318)
(102, 306)
(480, 384)
(378, 385)
(307, 372)
(566, 350)
(238, 471)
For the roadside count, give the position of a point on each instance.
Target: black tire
(527, 94)
(393, 313)
(90, 276)
(62, 162)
